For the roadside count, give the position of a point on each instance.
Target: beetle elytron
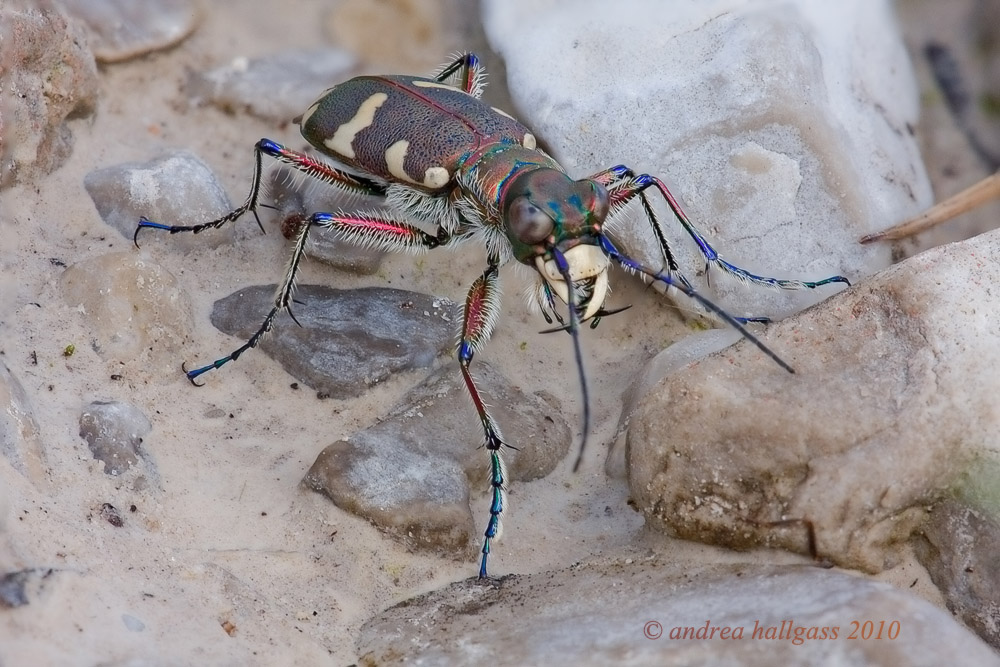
(438, 154)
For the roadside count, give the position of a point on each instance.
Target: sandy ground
(226, 534)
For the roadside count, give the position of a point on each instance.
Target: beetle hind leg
(299, 161)
(469, 71)
(372, 229)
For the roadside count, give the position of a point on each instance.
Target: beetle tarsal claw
(586, 263)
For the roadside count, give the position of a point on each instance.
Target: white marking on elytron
(503, 113)
(436, 177)
(342, 139)
(529, 141)
(585, 261)
(435, 84)
(395, 156)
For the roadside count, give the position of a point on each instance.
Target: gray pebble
(296, 198)
(132, 623)
(120, 29)
(959, 545)
(176, 188)
(114, 431)
(20, 439)
(349, 339)
(277, 87)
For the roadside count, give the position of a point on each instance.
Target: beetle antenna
(574, 330)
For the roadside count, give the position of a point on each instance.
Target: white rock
(785, 127)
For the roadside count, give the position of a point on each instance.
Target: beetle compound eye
(529, 223)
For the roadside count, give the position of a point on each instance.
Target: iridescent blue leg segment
(478, 321)
(671, 280)
(299, 161)
(471, 74)
(372, 229)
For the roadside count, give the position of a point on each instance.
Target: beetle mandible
(437, 153)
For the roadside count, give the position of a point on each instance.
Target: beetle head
(544, 209)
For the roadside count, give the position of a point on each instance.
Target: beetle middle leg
(478, 321)
(302, 162)
(372, 229)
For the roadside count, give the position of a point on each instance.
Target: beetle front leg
(625, 185)
(478, 321)
(299, 161)
(371, 229)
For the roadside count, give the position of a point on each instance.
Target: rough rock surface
(49, 78)
(959, 545)
(892, 401)
(634, 611)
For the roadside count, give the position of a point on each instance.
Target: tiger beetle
(438, 154)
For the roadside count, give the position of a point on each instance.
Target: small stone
(419, 498)
(114, 431)
(17, 588)
(137, 313)
(893, 400)
(49, 78)
(411, 473)
(959, 545)
(349, 339)
(608, 612)
(120, 29)
(111, 514)
(296, 199)
(761, 118)
(174, 189)
(12, 593)
(277, 87)
(20, 439)
(132, 623)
